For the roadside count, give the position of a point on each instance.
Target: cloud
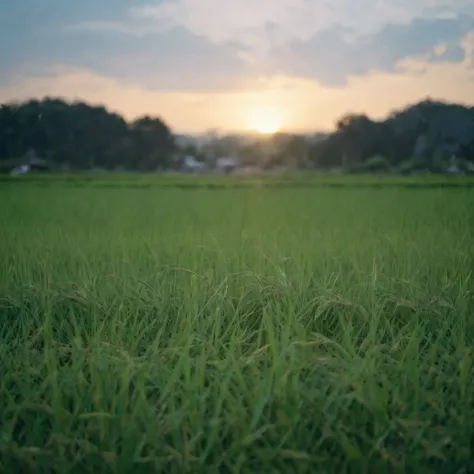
(267, 24)
(327, 40)
(332, 59)
(108, 38)
(171, 60)
(218, 45)
(32, 31)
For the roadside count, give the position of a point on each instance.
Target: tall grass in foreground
(291, 330)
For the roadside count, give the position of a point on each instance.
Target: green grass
(236, 330)
(295, 179)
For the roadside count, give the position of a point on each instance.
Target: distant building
(226, 164)
(454, 168)
(29, 163)
(192, 165)
(19, 170)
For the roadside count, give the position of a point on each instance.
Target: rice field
(148, 327)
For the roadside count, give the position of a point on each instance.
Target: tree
(83, 136)
(154, 144)
(430, 132)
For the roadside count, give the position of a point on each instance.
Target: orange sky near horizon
(298, 104)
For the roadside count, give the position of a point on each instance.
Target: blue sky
(207, 63)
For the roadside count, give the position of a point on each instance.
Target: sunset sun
(266, 120)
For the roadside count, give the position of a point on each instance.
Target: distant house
(226, 164)
(19, 170)
(29, 163)
(192, 165)
(454, 168)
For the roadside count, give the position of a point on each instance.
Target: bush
(376, 164)
(415, 165)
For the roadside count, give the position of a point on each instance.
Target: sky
(236, 64)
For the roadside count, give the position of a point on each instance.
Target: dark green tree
(83, 136)
(153, 142)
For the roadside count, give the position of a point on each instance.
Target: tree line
(423, 136)
(79, 136)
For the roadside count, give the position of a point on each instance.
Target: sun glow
(266, 120)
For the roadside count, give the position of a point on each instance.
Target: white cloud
(329, 40)
(265, 24)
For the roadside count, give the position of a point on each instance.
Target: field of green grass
(174, 329)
